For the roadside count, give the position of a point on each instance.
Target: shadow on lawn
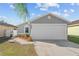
(4, 39)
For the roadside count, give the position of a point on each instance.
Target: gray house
(46, 27)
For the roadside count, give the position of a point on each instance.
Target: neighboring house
(46, 27)
(73, 28)
(6, 29)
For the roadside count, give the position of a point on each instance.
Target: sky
(70, 11)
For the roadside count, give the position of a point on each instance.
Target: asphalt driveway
(56, 48)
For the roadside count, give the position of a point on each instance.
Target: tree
(22, 11)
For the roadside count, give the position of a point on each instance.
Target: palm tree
(22, 11)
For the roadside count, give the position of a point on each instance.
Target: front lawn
(73, 38)
(15, 49)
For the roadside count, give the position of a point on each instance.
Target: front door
(27, 30)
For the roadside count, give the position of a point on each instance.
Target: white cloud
(72, 4)
(53, 5)
(38, 5)
(42, 6)
(66, 14)
(45, 6)
(72, 10)
(12, 6)
(33, 14)
(65, 11)
(44, 9)
(3, 17)
(0, 16)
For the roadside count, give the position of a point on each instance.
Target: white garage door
(49, 31)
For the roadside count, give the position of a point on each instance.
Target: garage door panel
(49, 31)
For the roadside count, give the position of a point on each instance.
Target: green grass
(15, 49)
(73, 38)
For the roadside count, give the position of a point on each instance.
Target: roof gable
(44, 19)
(50, 18)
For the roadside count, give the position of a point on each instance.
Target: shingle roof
(74, 22)
(6, 24)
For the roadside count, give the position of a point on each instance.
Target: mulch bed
(24, 37)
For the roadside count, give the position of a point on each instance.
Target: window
(26, 30)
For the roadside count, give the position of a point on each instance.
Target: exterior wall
(2, 33)
(5, 31)
(21, 29)
(5, 27)
(8, 33)
(49, 31)
(14, 33)
(74, 30)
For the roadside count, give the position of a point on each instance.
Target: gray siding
(52, 20)
(20, 29)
